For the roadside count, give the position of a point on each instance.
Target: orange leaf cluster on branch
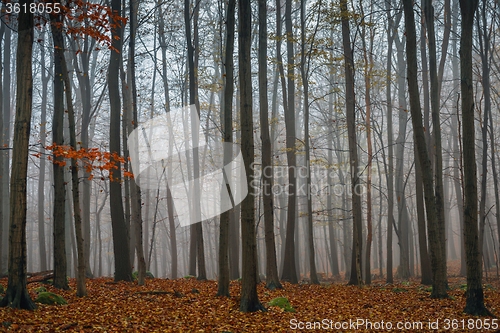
(92, 159)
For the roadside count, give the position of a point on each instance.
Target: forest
(249, 166)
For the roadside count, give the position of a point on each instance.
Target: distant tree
(17, 295)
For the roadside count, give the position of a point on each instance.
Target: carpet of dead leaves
(188, 305)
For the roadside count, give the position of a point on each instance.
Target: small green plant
(40, 290)
(405, 283)
(283, 303)
(149, 275)
(2, 289)
(189, 277)
(50, 299)
(399, 290)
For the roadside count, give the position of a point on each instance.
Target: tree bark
(41, 179)
(355, 278)
(16, 295)
(59, 210)
(272, 279)
(225, 218)
(474, 303)
(249, 301)
(121, 246)
(438, 261)
(289, 263)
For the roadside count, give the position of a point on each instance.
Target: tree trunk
(272, 279)
(225, 218)
(289, 264)
(436, 133)
(438, 261)
(135, 191)
(17, 295)
(59, 211)
(170, 201)
(5, 154)
(368, 62)
(390, 163)
(121, 247)
(41, 179)
(355, 278)
(249, 301)
(475, 298)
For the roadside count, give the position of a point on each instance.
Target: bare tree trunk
(59, 211)
(305, 60)
(438, 261)
(484, 48)
(272, 279)
(436, 133)
(121, 246)
(289, 264)
(368, 60)
(225, 218)
(81, 288)
(196, 229)
(135, 191)
(2, 221)
(249, 301)
(390, 165)
(17, 295)
(170, 201)
(475, 298)
(41, 179)
(5, 154)
(355, 278)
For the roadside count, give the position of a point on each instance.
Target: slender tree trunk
(390, 136)
(225, 218)
(2, 221)
(249, 301)
(272, 279)
(475, 298)
(289, 267)
(121, 246)
(304, 71)
(355, 278)
(41, 179)
(135, 191)
(436, 127)
(59, 211)
(368, 62)
(437, 256)
(5, 154)
(81, 288)
(484, 48)
(170, 201)
(17, 295)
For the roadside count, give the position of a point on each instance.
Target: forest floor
(188, 305)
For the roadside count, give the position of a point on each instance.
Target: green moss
(189, 277)
(149, 275)
(283, 303)
(50, 299)
(40, 290)
(2, 289)
(399, 290)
